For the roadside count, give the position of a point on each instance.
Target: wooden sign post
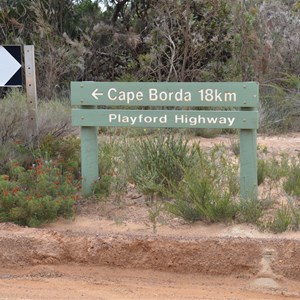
(31, 94)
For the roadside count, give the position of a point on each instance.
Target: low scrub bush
(113, 168)
(207, 190)
(38, 195)
(197, 199)
(282, 220)
(13, 118)
(293, 205)
(280, 104)
(292, 181)
(205, 132)
(261, 171)
(157, 162)
(53, 118)
(276, 169)
(272, 171)
(10, 152)
(250, 211)
(54, 129)
(64, 150)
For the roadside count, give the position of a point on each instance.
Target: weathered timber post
(31, 95)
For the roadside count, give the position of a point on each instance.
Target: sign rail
(165, 118)
(188, 94)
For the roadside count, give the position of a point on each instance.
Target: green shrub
(101, 187)
(38, 195)
(206, 132)
(295, 213)
(157, 162)
(261, 171)
(282, 220)
(221, 168)
(250, 211)
(53, 118)
(280, 104)
(207, 189)
(112, 167)
(13, 116)
(54, 124)
(276, 169)
(292, 181)
(198, 199)
(65, 151)
(235, 145)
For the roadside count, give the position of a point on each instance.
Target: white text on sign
(152, 95)
(177, 119)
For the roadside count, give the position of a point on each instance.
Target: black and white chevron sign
(10, 66)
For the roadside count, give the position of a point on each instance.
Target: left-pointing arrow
(95, 94)
(8, 66)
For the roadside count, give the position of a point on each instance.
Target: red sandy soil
(109, 251)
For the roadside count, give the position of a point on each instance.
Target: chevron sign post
(10, 66)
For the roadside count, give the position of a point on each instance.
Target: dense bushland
(134, 40)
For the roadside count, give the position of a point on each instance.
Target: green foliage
(112, 168)
(280, 104)
(205, 132)
(155, 41)
(190, 48)
(163, 41)
(276, 169)
(101, 187)
(86, 14)
(38, 195)
(222, 169)
(235, 145)
(13, 115)
(197, 199)
(54, 125)
(246, 43)
(53, 118)
(261, 171)
(207, 189)
(250, 211)
(158, 162)
(293, 205)
(56, 15)
(292, 182)
(282, 220)
(65, 151)
(155, 208)
(35, 190)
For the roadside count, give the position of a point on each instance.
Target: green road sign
(165, 118)
(189, 94)
(90, 96)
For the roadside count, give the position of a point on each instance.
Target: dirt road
(80, 260)
(82, 282)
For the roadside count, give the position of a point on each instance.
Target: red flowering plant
(37, 195)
